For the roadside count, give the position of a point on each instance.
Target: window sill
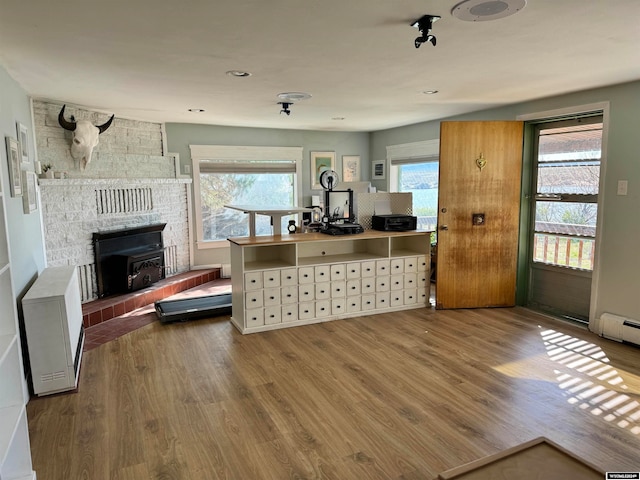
(206, 245)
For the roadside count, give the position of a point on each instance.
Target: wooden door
(478, 214)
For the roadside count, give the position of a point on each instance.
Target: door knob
(444, 227)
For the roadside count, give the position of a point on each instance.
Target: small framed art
(321, 161)
(23, 135)
(351, 168)
(378, 168)
(15, 172)
(29, 199)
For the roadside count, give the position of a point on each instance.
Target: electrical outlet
(622, 187)
(187, 169)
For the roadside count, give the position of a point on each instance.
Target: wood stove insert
(129, 259)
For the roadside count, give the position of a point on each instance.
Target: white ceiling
(154, 59)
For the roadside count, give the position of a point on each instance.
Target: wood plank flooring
(393, 396)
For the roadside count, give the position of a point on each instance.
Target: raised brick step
(104, 309)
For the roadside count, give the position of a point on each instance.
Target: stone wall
(128, 183)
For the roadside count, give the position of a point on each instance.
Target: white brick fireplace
(129, 183)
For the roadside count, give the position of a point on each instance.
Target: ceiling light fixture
(238, 73)
(425, 24)
(430, 92)
(486, 10)
(196, 110)
(292, 97)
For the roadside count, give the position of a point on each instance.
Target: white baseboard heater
(621, 329)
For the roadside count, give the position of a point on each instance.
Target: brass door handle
(444, 227)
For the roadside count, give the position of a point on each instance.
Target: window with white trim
(414, 168)
(237, 175)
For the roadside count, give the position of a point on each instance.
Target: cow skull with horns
(85, 136)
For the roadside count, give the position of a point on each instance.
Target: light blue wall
(25, 231)
(617, 288)
(180, 136)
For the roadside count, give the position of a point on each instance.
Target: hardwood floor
(393, 396)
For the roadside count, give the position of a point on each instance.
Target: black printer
(394, 223)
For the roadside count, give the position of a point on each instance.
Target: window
(228, 175)
(414, 168)
(568, 176)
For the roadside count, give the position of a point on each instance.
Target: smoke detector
(486, 10)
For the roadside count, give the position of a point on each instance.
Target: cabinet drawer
(271, 278)
(410, 265)
(289, 313)
(323, 308)
(410, 280)
(368, 269)
(353, 287)
(272, 315)
(354, 304)
(338, 271)
(338, 306)
(383, 283)
(323, 291)
(396, 298)
(253, 299)
(254, 318)
(305, 275)
(423, 296)
(382, 300)
(410, 297)
(271, 297)
(397, 265)
(368, 285)
(397, 282)
(289, 295)
(322, 273)
(306, 311)
(338, 289)
(368, 302)
(383, 267)
(252, 281)
(306, 293)
(288, 277)
(353, 270)
(422, 263)
(423, 281)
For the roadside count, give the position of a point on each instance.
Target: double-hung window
(236, 175)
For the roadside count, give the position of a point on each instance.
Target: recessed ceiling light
(430, 92)
(196, 110)
(238, 73)
(292, 97)
(486, 10)
(337, 118)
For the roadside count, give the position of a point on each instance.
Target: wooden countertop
(314, 237)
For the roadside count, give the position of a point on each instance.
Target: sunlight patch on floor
(589, 382)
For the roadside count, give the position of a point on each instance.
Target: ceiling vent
(486, 10)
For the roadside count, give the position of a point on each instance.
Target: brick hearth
(101, 310)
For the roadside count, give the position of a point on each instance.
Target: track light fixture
(425, 24)
(285, 107)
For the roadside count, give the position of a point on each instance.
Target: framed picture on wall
(29, 199)
(378, 168)
(351, 168)
(23, 135)
(321, 161)
(15, 172)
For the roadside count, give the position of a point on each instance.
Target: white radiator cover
(621, 329)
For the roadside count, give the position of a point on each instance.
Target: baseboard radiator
(621, 329)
